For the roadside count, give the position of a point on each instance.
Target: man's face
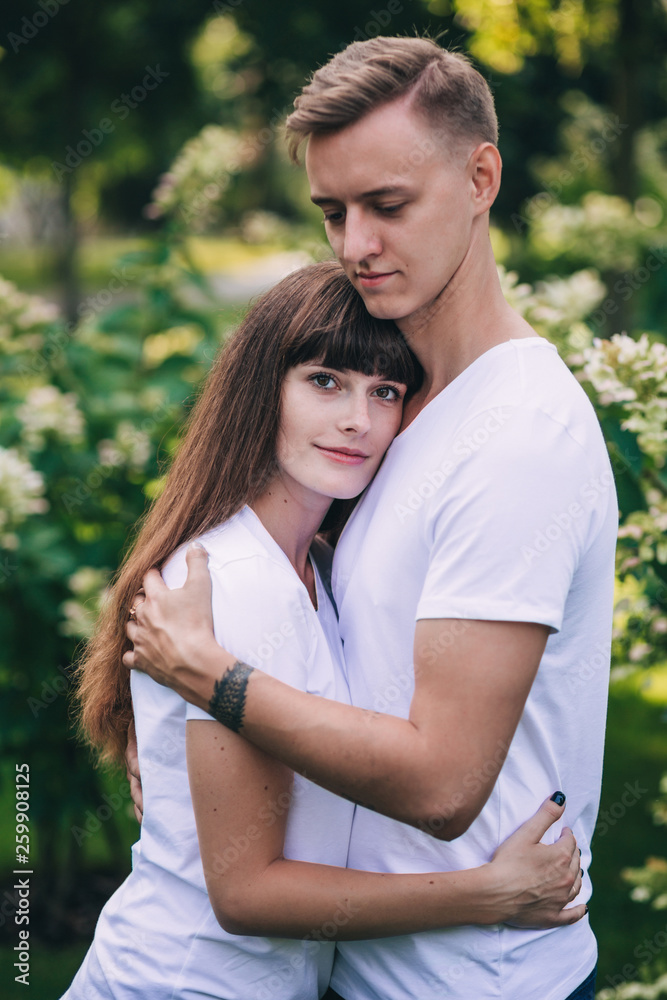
(399, 207)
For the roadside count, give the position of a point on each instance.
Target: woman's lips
(346, 456)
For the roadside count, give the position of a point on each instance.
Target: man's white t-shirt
(158, 937)
(496, 503)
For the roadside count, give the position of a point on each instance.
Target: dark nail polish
(579, 849)
(586, 909)
(581, 872)
(558, 798)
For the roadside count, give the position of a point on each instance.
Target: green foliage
(89, 414)
(90, 410)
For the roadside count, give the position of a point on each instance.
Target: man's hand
(172, 627)
(133, 774)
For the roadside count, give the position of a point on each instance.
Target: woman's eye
(323, 381)
(387, 392)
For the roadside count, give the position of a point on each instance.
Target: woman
(238, 888)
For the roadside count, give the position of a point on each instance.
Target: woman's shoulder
(241, 539)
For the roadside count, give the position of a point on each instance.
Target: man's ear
(485, 167)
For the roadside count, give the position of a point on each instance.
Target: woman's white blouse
(157, 937)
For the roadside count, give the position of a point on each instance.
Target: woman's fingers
(532, 831)
(571, 915)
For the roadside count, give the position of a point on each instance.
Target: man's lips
(371, 279)
(346, 456)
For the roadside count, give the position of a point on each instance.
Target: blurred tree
(84, 412)
(98, 98)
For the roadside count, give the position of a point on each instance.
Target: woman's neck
(292, 520)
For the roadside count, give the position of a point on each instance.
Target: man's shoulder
(519, 386)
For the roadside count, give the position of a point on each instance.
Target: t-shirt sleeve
(259, 615)
(509, 525)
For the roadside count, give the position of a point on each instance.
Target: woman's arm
(240, 798)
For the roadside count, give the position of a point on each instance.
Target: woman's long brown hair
(227, 455)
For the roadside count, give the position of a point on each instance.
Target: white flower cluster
(634, 374)
(558, 307)
(90, 588)
(199, 176)
(644, 535)
(635, 991)
(22, 319)
(21, 494)
(639, 635)
(48, 412)
(129, 447)
(603, 228)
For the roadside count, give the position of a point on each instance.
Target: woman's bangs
(369, 347)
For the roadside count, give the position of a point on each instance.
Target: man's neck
(469, 317)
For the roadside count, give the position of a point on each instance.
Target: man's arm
(434, 770)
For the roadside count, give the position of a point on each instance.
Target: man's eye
(389, 209)
(333, 217)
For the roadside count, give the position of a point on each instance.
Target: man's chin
(385, 308)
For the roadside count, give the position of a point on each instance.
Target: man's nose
(361, 240)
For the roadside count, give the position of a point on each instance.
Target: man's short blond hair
(444, 86)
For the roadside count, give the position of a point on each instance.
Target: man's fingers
(196, 558)
(153, 583)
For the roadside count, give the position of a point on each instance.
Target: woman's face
(335, 428)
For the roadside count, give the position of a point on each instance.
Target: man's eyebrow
(375, 193)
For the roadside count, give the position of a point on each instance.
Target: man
(474, 580)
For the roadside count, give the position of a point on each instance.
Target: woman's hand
(535, 881)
